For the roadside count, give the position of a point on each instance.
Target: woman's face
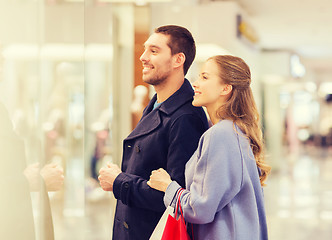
(208, 87)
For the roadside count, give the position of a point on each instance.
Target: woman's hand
(159, 180)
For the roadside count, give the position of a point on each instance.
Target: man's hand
(107, 176)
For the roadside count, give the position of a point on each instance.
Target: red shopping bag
(175, 229)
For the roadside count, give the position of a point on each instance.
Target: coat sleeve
(217, 177)
(183, 139)
(184, 135)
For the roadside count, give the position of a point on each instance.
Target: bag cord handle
(178, 206)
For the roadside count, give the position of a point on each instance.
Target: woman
(224, 177)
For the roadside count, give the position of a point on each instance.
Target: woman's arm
(216, 177)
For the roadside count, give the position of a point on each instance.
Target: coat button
(137, 149)
(126, 225)
(126, 185)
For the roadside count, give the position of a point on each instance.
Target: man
(165, 137)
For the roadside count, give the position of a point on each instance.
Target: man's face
(156, 59)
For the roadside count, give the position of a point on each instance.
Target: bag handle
(178, 204)
(177, 207)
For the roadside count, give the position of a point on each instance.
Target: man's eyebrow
(151, 46)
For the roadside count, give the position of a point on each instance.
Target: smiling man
(166, 136)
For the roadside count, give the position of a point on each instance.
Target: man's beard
(157, 80)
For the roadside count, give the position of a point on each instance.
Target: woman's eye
(203, 77)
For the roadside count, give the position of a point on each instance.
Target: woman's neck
(213, 116)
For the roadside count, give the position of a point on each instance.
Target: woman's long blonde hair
(241, 106)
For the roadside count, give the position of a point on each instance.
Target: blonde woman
(224, 177)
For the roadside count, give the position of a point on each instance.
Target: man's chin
(152, 82)
(146, 80)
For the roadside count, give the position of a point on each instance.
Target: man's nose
(143, 57)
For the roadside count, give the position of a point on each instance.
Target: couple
(225, 173)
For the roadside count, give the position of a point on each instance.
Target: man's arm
(133, 190)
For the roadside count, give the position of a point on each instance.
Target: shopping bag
(175, 229)
(159, 229)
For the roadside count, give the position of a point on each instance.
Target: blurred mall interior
(71, 83)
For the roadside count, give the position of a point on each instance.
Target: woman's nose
(195, 83)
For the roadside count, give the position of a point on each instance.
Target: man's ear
(179, 60)
(227, 89)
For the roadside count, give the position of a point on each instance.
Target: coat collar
(151, 118)
(180, 97)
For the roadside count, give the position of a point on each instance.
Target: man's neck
(168, 88)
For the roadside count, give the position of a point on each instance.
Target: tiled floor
(93, 223)
(299, 197)
(298, 203)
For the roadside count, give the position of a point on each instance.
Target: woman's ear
(227, 89)
(180, 58)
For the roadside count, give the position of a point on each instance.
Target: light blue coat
(224, 198)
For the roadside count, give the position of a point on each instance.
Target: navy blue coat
(165, 137)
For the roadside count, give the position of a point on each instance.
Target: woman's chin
(196, 103)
